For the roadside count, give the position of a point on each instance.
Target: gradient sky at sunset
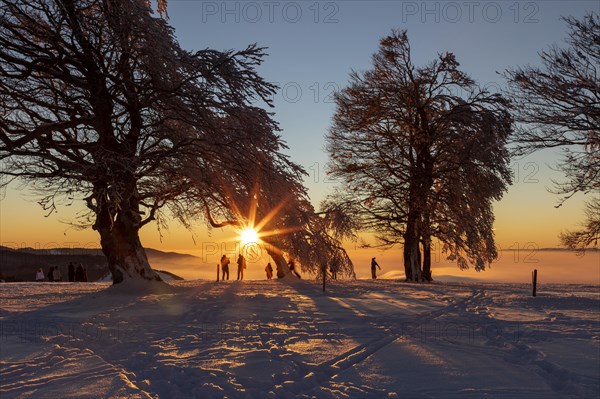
(313, 46)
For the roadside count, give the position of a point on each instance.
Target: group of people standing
(224, 267)
(291, 265)
(75, 274)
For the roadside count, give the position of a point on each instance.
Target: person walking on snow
(241, 262)
(79, 273)
(292, 266)
(374, 266)
(39, 276)
(225, 261)
(71, 272)
(269, 270)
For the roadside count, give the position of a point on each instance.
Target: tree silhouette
(421, 152)
(558, 106)
(99, 103)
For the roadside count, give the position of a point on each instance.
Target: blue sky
(314, 45)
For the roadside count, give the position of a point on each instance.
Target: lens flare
(248, 236)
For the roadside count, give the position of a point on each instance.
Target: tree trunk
(415, 261)
(123, 249)
(412, 253)
(407, 270)
(119, 238)
(412, 258)
(427, 259)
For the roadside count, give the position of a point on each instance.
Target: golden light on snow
(248, 235)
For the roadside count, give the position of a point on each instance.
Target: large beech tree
(99, 103)
(421, 152)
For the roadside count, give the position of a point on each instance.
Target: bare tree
(99, 103)
(589, 233)
(558, 106)
(421, 152)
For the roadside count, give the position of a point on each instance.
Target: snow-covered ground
(286, 339)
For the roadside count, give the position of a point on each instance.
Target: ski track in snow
(259, 339)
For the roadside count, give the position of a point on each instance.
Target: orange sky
(526, 220)
(525, 215)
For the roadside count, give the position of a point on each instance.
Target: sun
(249, 235)
(251, 231)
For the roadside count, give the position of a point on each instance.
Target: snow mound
(166, 276)
(142, 287)
(393, 275)
(399, 275)
(290, 279)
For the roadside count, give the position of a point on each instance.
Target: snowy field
(286, 339)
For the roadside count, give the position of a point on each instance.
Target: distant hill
(21, 264)
(93, 252)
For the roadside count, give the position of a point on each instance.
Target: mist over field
(553, 265)
(513, 266)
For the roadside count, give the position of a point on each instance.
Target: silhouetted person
(51, 274)
(225, 261)
(292, 266)
(85, 277)
(269, 271)
(374, 266)
(71, 272)
(39, 276)
(333, 271)
(79, 273)
(219, 267)
(241, 262)
(57, 275)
